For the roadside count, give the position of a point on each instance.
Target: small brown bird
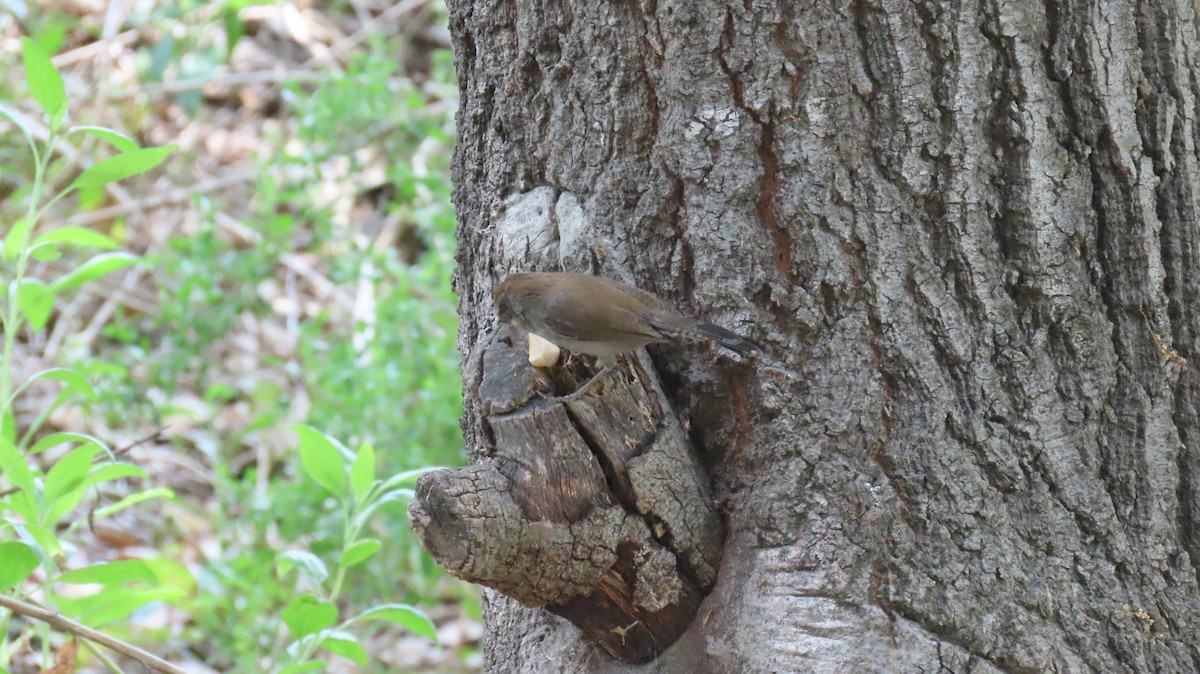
(600, 317)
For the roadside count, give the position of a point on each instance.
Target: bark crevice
(969, 233)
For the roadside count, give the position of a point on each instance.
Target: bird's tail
(729, 339)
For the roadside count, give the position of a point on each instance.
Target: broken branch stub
(595, 509)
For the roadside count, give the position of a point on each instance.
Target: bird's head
(511, 295)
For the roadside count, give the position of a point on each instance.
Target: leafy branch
(312, 619)
(36, 502)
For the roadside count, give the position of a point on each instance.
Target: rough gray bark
(594, 509)
(966, 230)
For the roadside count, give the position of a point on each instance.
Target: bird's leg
(609, 365)
(572, 397)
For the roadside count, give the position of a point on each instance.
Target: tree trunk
(966, 232)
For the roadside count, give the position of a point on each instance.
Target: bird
(600, 317)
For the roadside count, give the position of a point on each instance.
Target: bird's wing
(576, 320)
(649, 301)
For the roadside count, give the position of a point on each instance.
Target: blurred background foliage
(300, 248)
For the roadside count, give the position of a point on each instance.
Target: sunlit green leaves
(49, 485)
(311, 620)
(17, 561)
(119, 140)
(345, 644)
(361, 551)
(56, 439)
(110, 572)
(36, 536)
(125, 586)
(45, 252)
(69, 472)
(409, 617)
(238, 614)
(92, 269)
(76, 383)
(322, 460)
(362, 472)
(35, 300)
(16, 238)
(134, 499)
(80, 237)
(45, 84)
(124, 165)
(14, 468)
(308, 615)
(307, 563)
(76, 472)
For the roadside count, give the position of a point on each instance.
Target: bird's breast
(599, 349)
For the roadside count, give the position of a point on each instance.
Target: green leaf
(77, 383)
(56, 439)
(45, 252)
(171, 573)
(409, 617)
(13, 466)
(41, 537)
(113, 471)
(104, 473)
(107, 573)
(35, 300)
(308, 615)
(134, 499)
(361, 551)
(90, 198)
(340, 642)
(45, 84)
(309, 565)
(115, 603)
(93, 269)
(119, 140)
(321, 459)
(80, 237)
(17, 561)
(362, 471)
(57, 118)
(8, 454)
(23, 503)
(69, 472)
(119, 167)
(17, 237)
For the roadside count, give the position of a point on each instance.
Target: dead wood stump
(596, 509)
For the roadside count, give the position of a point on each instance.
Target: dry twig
(62, 624)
